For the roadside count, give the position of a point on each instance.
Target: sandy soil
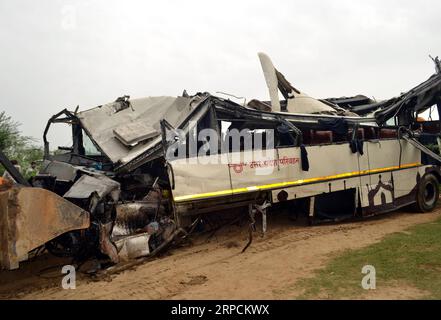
(214, 268)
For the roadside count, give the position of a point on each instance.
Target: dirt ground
(213, 267)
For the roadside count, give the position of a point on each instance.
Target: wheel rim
(429, 194)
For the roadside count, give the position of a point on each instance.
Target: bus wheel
(428, 193)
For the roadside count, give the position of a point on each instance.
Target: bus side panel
(282, 168)
(391, 163)
(406, 184)
(314, 189)
(253, 168)
(196, 179)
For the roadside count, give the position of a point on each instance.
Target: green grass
(411, 258)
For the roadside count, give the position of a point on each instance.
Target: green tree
(15, 145)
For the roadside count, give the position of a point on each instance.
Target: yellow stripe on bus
(291, 183)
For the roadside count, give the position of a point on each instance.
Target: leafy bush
(16, 146)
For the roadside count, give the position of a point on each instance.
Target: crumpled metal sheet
(134, 132)
(417, 99)
(100, 123)
(86, 185)
(133, 246)
(61, 170)
(298, 102)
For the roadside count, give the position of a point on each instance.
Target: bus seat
(388, 133)
(306, 136)
(319, 137)
(431, 127)
(360, 134)
(370, 133)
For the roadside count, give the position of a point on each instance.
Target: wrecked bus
(145, 170)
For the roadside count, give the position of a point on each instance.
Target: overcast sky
(58, 54)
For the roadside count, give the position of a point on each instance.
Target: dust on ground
(213, 267)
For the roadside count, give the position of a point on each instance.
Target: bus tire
(427, 193)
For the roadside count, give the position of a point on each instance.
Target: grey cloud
(327, 48)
